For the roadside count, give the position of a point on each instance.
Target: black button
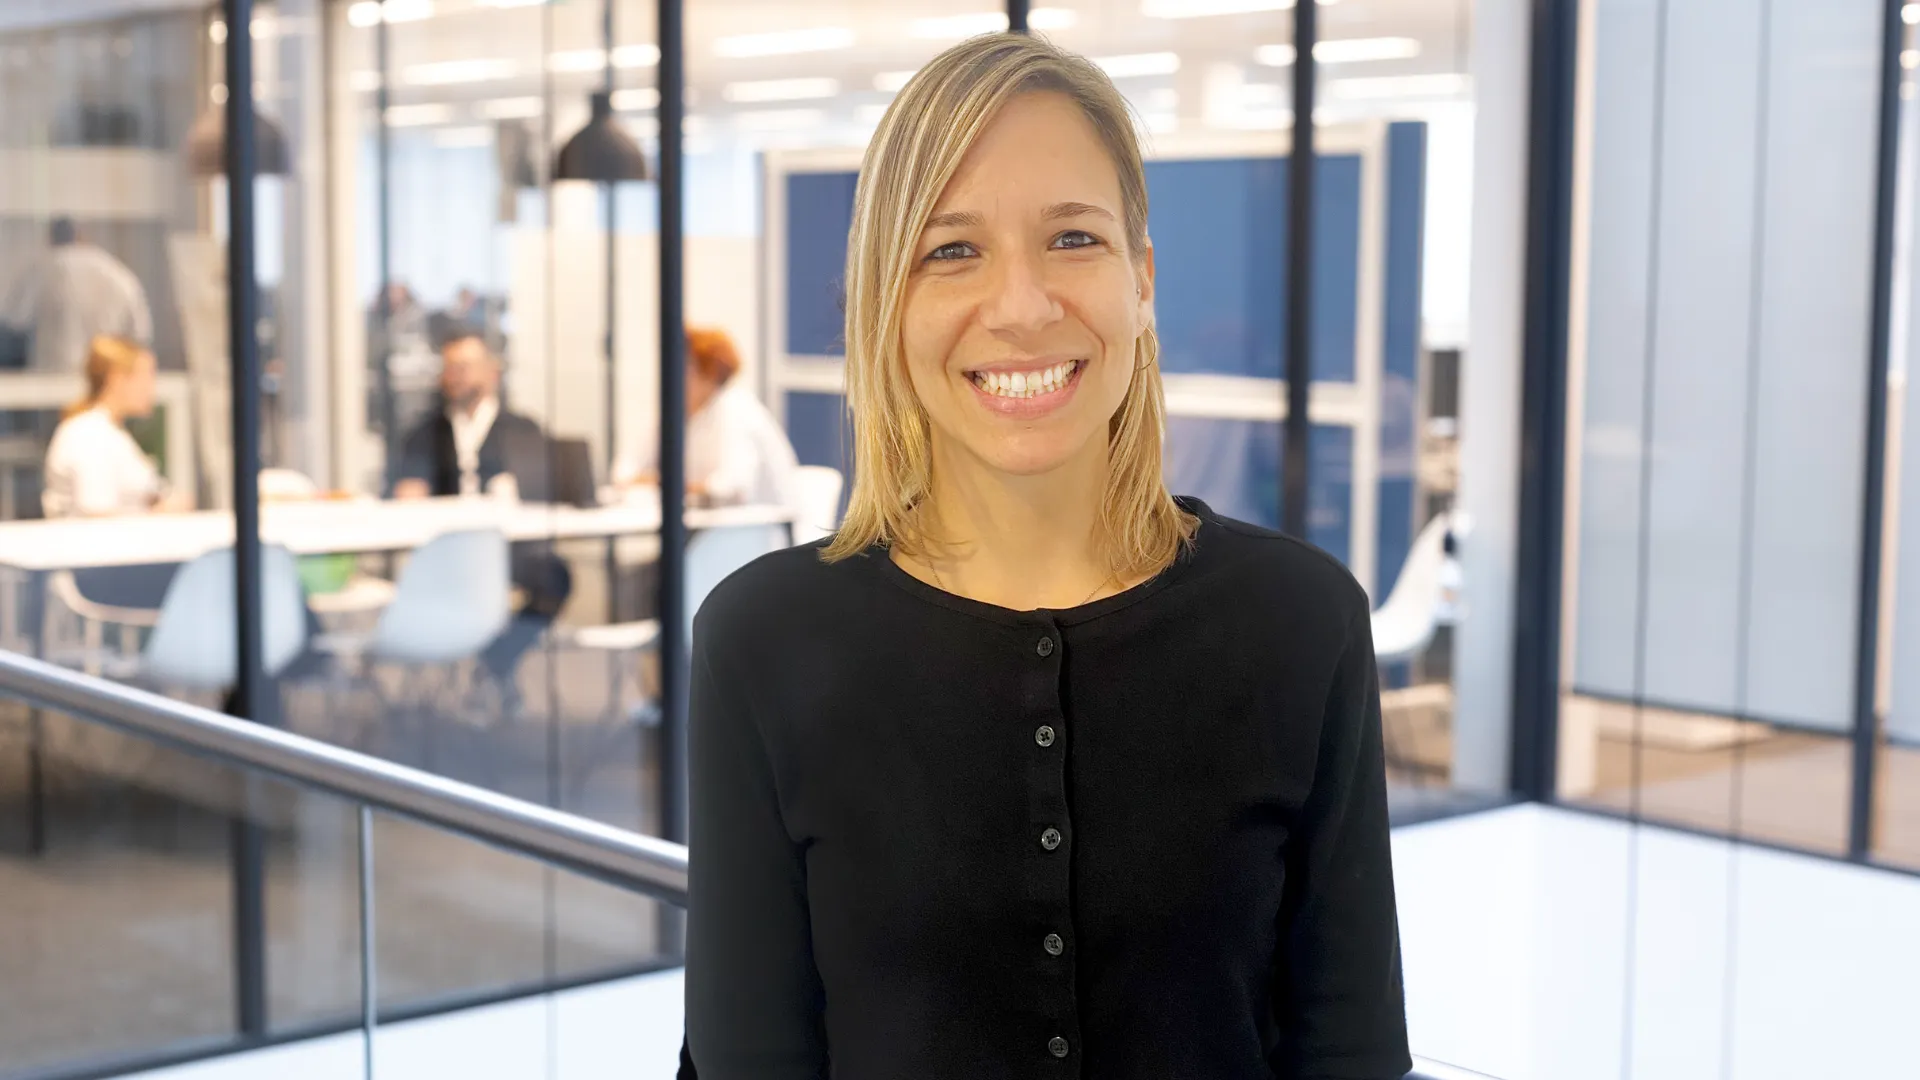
(1043, 735)
(1045, 648)
(1050, 839)
(1057, 1046)
(1054, 945)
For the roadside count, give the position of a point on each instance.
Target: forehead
(464, 353)
(1039, 148)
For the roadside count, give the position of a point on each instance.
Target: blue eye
(1074, 238)
(959, 249)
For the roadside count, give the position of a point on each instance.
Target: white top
(736, 451)
(469, 432)
(94, 467)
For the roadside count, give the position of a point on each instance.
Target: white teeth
(1025, 384)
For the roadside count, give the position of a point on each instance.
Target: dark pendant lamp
(207, 144)
(601, 151)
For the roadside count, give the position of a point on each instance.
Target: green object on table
(322, 574)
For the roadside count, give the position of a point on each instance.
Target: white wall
(1728, 301)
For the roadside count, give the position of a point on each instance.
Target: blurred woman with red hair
(737, 453)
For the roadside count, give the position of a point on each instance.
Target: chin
(1029, 454)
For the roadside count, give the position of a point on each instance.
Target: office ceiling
(468, 62)
(470, 54)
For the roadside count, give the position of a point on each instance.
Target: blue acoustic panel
(1400, 350)
(1234, 465)
(819, 216)
(1219, 229)
(817, 427)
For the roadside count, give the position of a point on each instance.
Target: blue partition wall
(1220, 239)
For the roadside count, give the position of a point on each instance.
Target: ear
(1143, 277)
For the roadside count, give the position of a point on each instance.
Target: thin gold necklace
(943, 585)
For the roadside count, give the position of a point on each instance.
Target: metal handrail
(617, 856)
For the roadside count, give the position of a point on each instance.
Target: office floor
(1782, 787)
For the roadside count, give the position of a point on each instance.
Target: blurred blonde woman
(1033, 770)
(94, 467)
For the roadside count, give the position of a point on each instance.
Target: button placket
(1050, 887)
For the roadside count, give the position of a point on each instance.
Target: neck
(1020, 542)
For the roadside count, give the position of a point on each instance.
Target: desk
(330, 527)
(29, 550)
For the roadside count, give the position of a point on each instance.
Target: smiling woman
(1032, 766)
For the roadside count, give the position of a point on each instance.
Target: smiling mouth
(1027, 384)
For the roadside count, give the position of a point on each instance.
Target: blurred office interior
(1608, 334)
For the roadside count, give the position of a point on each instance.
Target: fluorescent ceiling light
(1134, 65)
(780, 90)
(870, 115)
(891, 82)
(511, 3)
(470, 135)
(1910, 59)
(451, 72)
(636, 99)
(418, 115)
(1193, 9)
(780, 119)
(1162, 123)
(1342, 51)
(1398, 86)
(818, 39)
(509, 108)
(367, 12)
(624, 56)
(990, 22)
(1910, 14)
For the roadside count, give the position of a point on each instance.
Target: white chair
(1426, 595)
(712, 555)
(195, 641)
(194, 637)
(1425, 598)
(816, 502)
(450, 601)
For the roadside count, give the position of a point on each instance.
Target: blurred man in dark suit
(471, 445)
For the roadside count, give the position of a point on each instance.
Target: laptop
(565, 475)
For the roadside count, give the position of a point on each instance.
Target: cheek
(930, 328)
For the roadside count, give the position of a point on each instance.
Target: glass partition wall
(483, 598)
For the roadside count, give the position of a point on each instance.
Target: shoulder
(82, 429)
(1271, 572)
(776, 597)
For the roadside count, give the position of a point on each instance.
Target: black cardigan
(1142, 838)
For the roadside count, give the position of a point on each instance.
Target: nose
(1018, 298)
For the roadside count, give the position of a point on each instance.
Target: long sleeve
(1337, 994)
(755, 1007)
(417, 457)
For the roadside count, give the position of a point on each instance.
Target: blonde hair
(107, 356)
(919, 145)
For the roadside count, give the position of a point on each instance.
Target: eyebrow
(1073, 209)
(962, 219)
(955, 219)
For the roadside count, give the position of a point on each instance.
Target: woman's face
(131, 391)
(1024, 304)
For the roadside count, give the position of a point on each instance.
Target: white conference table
(328, 527)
